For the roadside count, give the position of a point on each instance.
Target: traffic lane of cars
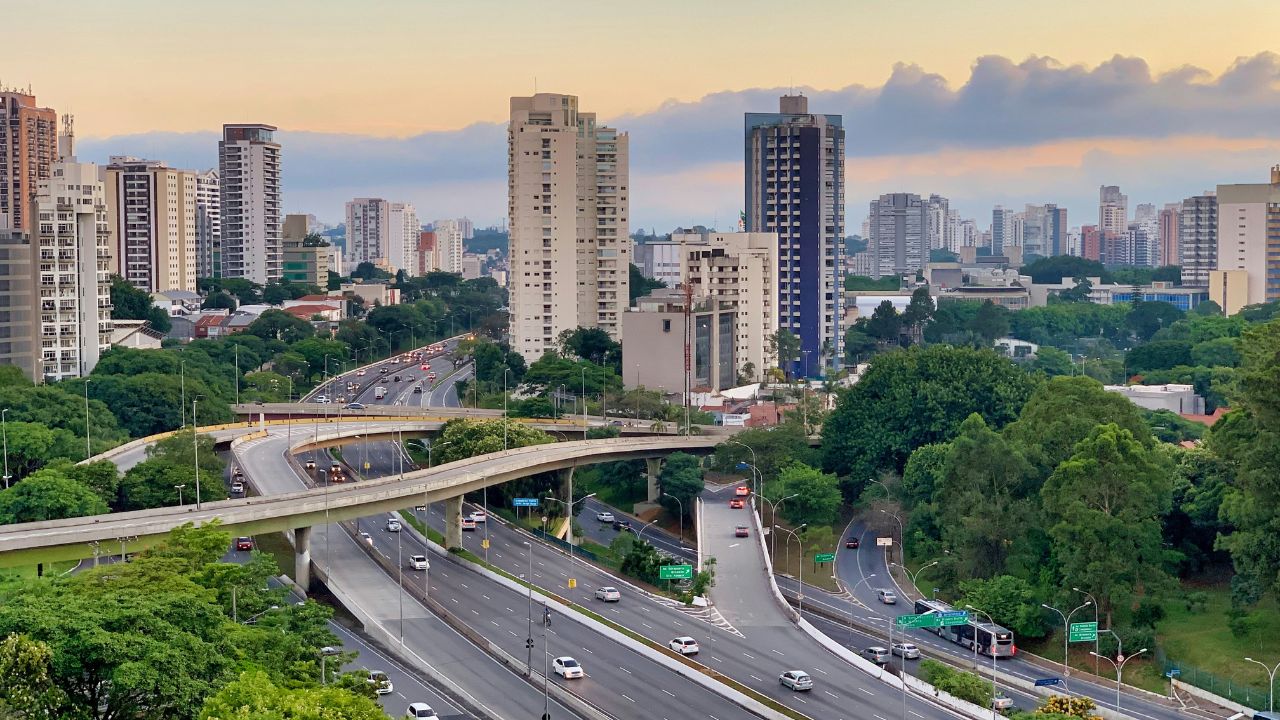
(407, 686)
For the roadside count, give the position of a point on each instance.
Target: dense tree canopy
(130, 303)
(48, 495)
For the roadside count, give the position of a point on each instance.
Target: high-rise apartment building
(1144, 213)
(740, 270)
(368, 228)
(467, 228)
(28, 149)
(19, 310)
(208, 224)
(1167, 230)
(449, 245)
(967, 234)
(1198, 238)
(151, 209)
(1249, 238)
(249, 168)
(428, 258)
(937, 229)
(402, 237)
(567, 200)
(899, 222)
(1113, 210)
(795, 188)
(72, 239)
(1055, 231)
(1002, 230)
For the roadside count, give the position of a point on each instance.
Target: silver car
(796, 680)
(608, 594)
(906, 651)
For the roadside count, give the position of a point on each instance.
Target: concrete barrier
(1211, 697)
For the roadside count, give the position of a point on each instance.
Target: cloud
(684, 153)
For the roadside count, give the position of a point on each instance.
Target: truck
(379, 392)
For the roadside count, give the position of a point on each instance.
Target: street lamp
(325, 653)
(754, 462)
(773, 516)
(1119, 669)
(994, 689)
(4, 430)
(1094, 600)
(913, 576)
(793, 534)
(179, 489)
(851, 590)
(1066, 630)
(195, 446)
(641, 533)
(568, 512)
(88, 453)
(681, 505)
(1271, 687)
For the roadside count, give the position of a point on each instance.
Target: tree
(171, 462)
(1011, 602)
(991, 322)
(681, 477)
(280, 325)
(593, 345)
(914, 397)
(219, 300)
(1055, 269)
(468, 438)
(639, 285)
(1051, 362)
(48, 495)
(26, 679)
(550, 371)
(1145, 318)
(1215, 352)
(775, 448)
(817, 495)
(923, 473)
(784, 347)
(253, 696)
(1103, 506)
(368, 271)
(885, 325)
(1159, 355)
(1206, 308)
(31, 446)
(1077, 294)
(130, 303)
(858, 343)
(918, 313)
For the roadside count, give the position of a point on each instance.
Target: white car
(608, 594)
(796, 680)
(419, 562)
(906, 651)
(604, 516)
(567, 668)
(420, 710)
(380, 682)
(479, 516)
(1002, 702)
(323, 400)
(684, 645)
(888, 597)
(393, 525)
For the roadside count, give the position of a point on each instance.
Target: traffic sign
(1083, 632)
(1173, 673)
(928, 620)
(954, 617)
(824, 557)
(884, 542)
(1042, 682)
(675, 572)
(485, 543)
(524, 502)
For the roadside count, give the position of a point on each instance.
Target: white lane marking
(668, 692)
(775, 651)
(757, 679)
(625, 670)
(831, 693)
(866, 691)
(625, 696)
(749, 657)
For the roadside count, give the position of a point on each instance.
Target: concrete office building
(151, 209)
(1249, 237)
(28, 149)
(1113, 210)
(568, 200)
(663, 260)
(472, 266)
(1198, 238)
(1167, 231)
(208, 224)
(449, 247)
(1230, 289)
(899, 222)
(308, 264)
(794, 176)
(18, 308)
(740, 270)
(656, 328)
(72, 273)
(402, 238)
(249, 169)
(368, 222)
(428, 256)
(1001, 229)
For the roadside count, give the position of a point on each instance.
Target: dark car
(851, 543)
(622, 526)
(244, 543)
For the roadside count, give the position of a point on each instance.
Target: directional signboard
(524, 502)
(884, 542)
(675, 572)
(929, 620)
(1083, 632)
(824, 557)
(954, 617)
(1044, 682)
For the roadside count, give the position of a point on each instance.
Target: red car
(740, 531)
(742, 491)
(851, 543)
(244, 543)
(736, 503)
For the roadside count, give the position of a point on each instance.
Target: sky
(982, 101)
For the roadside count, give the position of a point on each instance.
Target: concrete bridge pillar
(566, 482)
(453, 522)
(653, 468)
(302, 557)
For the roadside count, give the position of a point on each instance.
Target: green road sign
(824, 557)
(1083, 632)
(675, 572)
(930, 620)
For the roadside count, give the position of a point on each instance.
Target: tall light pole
(4, 430)
(773, 516)
(994, 689)
(568, 512)
(681, 506)
(801, 544)
(195, 446)
(914, 575)
(1066, 630)
(851, 590)
(584, 401)
(1271, 687)
(88, 453)
(754, 462)
(1094, 600)
(237, 347)
(182, 399)
(179, 489)
(1119, 666)
(505, 370)
(640, 534)
(902, 536)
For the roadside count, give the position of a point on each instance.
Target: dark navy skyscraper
(795, 188)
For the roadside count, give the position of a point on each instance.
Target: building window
(666, 326)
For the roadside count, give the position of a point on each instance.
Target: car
(311, 464)
(360, 372)
(237, 487)
(605, 516)
(395, 379)
(736, 504)
(888, 597)
(380, 682)
(876, 654)
(382, 371)
(431, 377)
(419, 562)
(426, 367)
(244, 543)
(323, 399)
(366, 537)
(741, 531)
(479, 516)
(906, 651)
(355, 406)
(622, 525)
(1004, 702)
(851, 543)
(567, 668)
(742, 491)
(417, 388)
(468, 524)
(684, 645)
(608, 594)
(393, 525)
(798, 680)
(420, 710)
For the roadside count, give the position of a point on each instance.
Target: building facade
(568, 201)
(795, 188)
(1167, 230)
(657, 330)
(1113, 210)
(208, 224)
(428, 257)
(303, 263)
(1001, 229)
(1198, 238)
(18, 307)
(249, 170)
(28, 150)
(151, 209)
(664, 260)
(368, 227)
(1249, 236)
(740, 272)
(899, 223)
(449, 247)
(402, 238)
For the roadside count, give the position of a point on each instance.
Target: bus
(990, 639)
